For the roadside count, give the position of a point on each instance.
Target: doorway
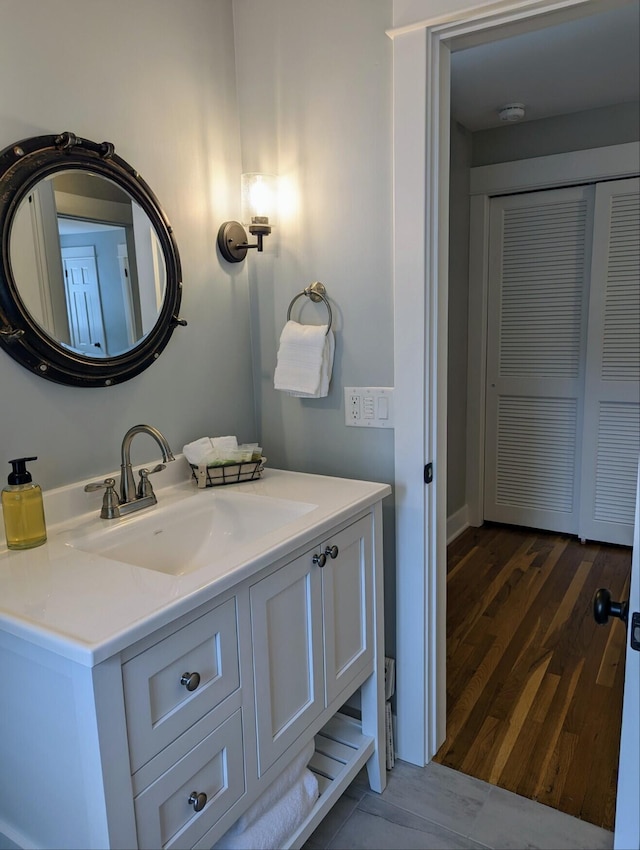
(495, 710)
(84, 308)
(420, 286)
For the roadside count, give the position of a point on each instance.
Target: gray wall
(157, 78)
(594, 128)
(315, 108)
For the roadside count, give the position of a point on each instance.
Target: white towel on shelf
(278, 822)
(305, 360)
(276, 790)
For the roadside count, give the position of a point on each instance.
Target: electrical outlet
(368, 407)
(353, 403)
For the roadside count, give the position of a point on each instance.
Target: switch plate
(368, 407)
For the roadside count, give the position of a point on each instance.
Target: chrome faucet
(127, 483)
(130, 498)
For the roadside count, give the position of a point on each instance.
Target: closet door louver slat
(611, 441)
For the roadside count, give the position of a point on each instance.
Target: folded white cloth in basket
(198, 451)
(305, 360)
(279, 822)
(210, 449)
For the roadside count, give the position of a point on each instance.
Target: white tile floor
(435, 808)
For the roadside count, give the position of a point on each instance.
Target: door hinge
(635, 631)
(428, 473)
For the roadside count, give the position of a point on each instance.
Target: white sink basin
(192, 533)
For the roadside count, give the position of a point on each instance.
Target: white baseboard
(457, 523)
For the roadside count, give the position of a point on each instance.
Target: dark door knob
(603, 607)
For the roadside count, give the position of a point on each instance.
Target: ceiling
(583, 64)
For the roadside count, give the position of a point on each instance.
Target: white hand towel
(305, 360)
(277, 824)
(325, 371)
(278, 788)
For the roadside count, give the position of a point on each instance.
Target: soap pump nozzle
(20, 474)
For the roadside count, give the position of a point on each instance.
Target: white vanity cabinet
(163, 734)
(312, 634)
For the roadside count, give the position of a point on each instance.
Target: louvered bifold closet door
(611, 439)
(539, 257)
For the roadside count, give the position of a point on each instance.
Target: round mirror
(90, 276)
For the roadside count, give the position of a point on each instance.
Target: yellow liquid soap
(24, 516)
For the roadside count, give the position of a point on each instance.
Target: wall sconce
(258, 203)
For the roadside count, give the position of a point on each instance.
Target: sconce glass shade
(259, 199)
(259, 208)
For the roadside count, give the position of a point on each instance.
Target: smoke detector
(511, 112)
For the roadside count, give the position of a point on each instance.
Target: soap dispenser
(22, 508)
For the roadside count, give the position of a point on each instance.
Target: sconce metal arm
(232, 239)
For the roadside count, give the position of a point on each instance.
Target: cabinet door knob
(320, 559)
(198, 801)
(331, 552)
(191, 682)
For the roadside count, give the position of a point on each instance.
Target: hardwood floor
(534, 685)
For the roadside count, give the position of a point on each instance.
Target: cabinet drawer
(159, 706)
(164, 816)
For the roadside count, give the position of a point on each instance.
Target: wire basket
(234, 473)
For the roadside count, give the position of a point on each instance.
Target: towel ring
(316, 292)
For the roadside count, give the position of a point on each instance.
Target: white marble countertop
(86, 607)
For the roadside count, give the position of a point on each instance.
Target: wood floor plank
(534, 685)
(557, 770)
(477, 758)
(547, 689)
(518, 717)
(568, 602)
(553, 726)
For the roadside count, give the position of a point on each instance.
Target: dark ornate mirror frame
(22, 166)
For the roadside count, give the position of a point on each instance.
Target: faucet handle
(110, 501)
(98, 485)
(144, 485)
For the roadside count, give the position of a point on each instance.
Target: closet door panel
(611, 441)
(539, 257)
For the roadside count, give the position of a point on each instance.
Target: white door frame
(421, 115)
(546, 172)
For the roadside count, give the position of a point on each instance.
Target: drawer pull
(331, 552)
(198, 801)
(320, 559)
(191, 682)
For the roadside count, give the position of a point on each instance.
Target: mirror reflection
(87, 263)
